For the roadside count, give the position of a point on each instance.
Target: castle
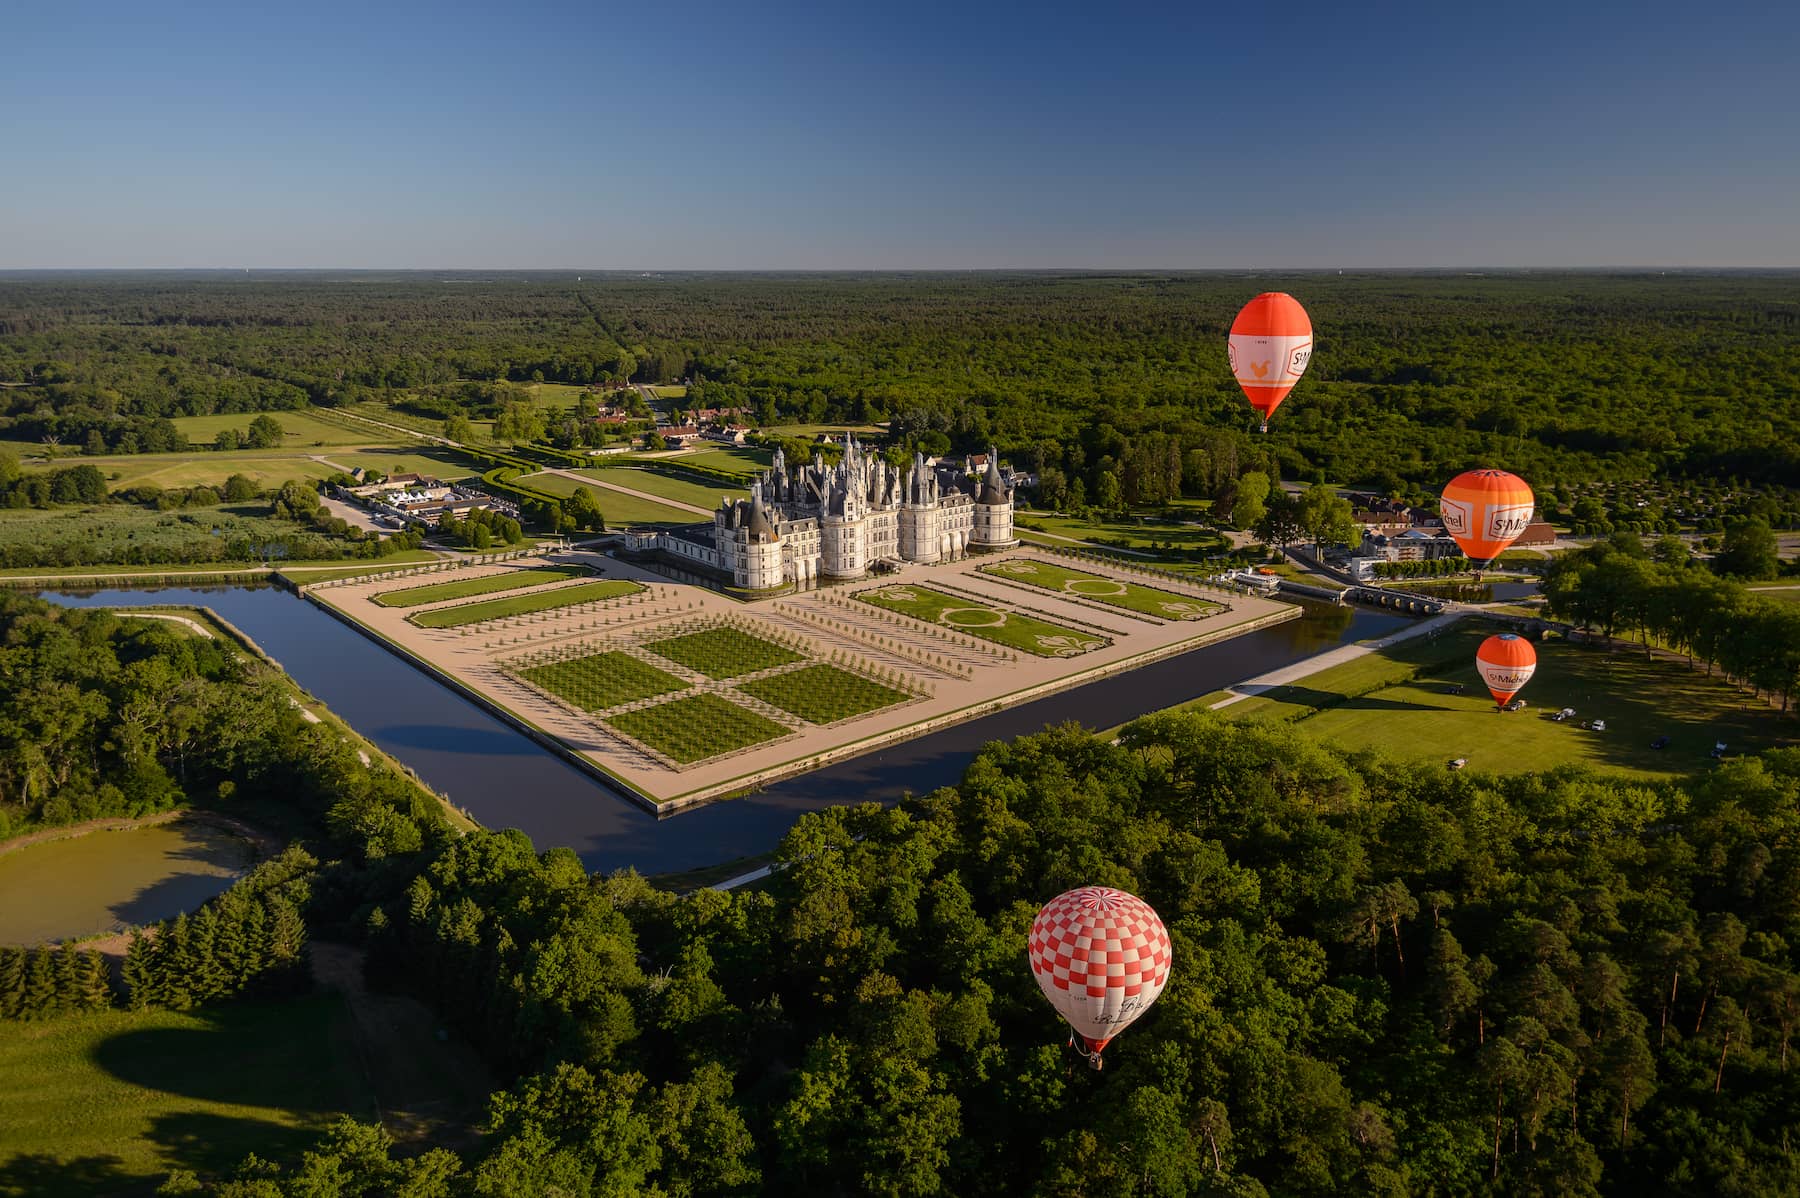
(839, 521)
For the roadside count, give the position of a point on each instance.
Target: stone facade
(838, 521)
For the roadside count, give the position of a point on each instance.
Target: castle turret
(759, 568)
(993, 510)
(920, 528)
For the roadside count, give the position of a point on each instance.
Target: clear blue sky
(845, 135)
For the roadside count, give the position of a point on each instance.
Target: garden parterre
(1000, 625)
(1096, 588)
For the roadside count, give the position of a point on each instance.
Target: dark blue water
(506, 781)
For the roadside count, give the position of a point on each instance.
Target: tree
(1249, 509)
(1108, 494)
(583, 507)
(226, 440)
(241, 488)
(265, 433)
(459, 428)
(519, 422)
(1748, 551)
(1280, 525)
(1327, 519)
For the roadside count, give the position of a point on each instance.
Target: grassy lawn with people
(723, 652)
(823, 694)
(1000, 625)
(466, 588)
(537, 600)
(1098, 588)
(697, 728)
(109, 1102)
(1401, 701)
(601, 680)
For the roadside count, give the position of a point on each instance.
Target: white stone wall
(920, 533)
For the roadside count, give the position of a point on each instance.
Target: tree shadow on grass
(40, 1175)
(217, 1144)
(1317, 700)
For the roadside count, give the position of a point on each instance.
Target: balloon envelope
(1270, 345)
(1506, 663)
(1485, 511)
(1101, 957)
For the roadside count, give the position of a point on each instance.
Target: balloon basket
(1264, 428)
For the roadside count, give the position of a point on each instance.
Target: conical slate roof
(993, 489)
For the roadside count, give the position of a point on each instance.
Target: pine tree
(175, 963)
(206, 980)
(40, 986)
(96, 983)
(68, 978)
(139, 973)
(12, 982)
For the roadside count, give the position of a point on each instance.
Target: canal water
(506, 781)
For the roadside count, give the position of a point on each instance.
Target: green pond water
(106, 881)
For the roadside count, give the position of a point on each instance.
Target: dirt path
(131, 613)
(428, 1084)
(1263, 683)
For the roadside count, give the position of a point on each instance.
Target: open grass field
(522, 605)
(1788, 594)
(653, 482)
(723, 652)
(746, 460)
(1014, 629)
(265, 467)
(1133, 532)
(822, 694)
(1097, 588)
(834, 431)
(300, 430)
(1399, 701)
(602, 680)
(698, 727)
(406, 459)
(467, 588)
(621, 511)
(108, 1103)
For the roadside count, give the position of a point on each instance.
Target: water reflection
(505, 780)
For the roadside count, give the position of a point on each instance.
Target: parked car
(1516, 705)
(1456, 763)
(1598, 725)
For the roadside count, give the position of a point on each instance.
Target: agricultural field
(823, 694)
(538, 600)
(109, 1102)
(1131, 596)
(734, 459)
(1400, 701)
(601, 680)
(467, 588)
(683, 489)
(697, 728)
(299, 429)
(268, 468)
(1002, 626)
(723, 652)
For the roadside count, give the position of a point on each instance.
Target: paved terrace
(957, 677)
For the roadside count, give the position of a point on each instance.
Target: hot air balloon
(1486, 510)
(1101, 957)
(1270, 345)
(1506, 663)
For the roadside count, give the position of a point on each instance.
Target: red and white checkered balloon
(1101, 957)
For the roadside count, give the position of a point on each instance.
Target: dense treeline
(1568, 379)
(1388, 979)
(102, 716)
(1617, 586)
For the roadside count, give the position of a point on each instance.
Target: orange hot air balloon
(1486, 510)
(1270, 344)
(1506, 663)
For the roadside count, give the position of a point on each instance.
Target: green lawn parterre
(467, 588)
(723, 652)
(823, 694)
(1097, 588)
(536, 600)
(1013, 629)
(697, 728)
(602, 680)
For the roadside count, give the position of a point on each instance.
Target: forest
(1387, 979)
(1573, 380)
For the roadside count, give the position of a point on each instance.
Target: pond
(108, 880)
(506, 781)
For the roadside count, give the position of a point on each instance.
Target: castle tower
(993, 510)
(920, 525)
(843, 518)
(760, 566)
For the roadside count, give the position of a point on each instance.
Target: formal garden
(824, 694)
(696, 728)
(537, 600)
(468, 588)
(597, 681)
(1000, 625)
(1097, 588)
(724, 652)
